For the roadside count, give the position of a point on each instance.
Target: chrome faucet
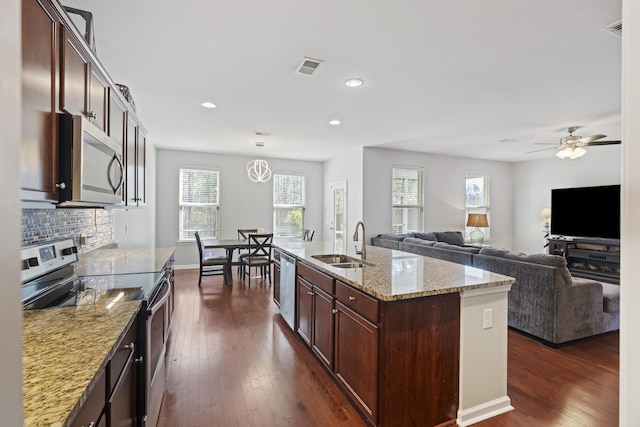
(363, 251)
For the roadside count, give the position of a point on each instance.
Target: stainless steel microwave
(90, 164)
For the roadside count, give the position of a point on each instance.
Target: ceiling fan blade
(588, 139)
(604, 143)
(545, 149)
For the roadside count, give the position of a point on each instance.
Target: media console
(596, 259)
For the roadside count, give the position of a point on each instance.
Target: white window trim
(420, 205)
(483, 208)
(303, 206)
(217, 205)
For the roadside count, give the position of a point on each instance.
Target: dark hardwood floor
(233, 361)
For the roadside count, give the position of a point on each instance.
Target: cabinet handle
(352, 298)
(139, 360)
(91, 115)
(131, 347)
(334, 311)
(61, 186)
(310, 293)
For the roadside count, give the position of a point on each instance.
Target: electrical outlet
(82, 240)
(488, 318)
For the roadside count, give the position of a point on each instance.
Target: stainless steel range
(49, 280)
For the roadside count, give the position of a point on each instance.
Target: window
(407, 201)
(288, 205)
(477, 200)
(199, 202)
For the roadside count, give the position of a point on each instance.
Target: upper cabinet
(38, 150)
(84, 88)
(60, 74)
(135, 160)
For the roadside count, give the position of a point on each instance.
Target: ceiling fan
(571, 146)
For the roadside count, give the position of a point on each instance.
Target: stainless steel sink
(341, 261)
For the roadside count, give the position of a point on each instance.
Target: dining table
(230, 246)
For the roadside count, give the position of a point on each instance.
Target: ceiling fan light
(564, 153)
(577, 152)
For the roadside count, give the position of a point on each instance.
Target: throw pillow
(451, 237)
(418, 241)
(425, 236)
(469, 250)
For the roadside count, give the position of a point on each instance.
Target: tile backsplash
(95, 225)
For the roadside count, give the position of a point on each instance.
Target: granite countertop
(395, 275)
(64, 351)
(123, 261)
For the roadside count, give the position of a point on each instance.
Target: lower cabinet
(113, 399)
(398, 361)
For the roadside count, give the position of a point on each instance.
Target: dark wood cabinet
(135, 161)
(113, 399)
(397, 360)
(60, 74)
(92, 411)
(38, 148)
(356, 367)
(84, 88)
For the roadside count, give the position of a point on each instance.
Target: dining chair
(308, 235)
(243, 235)
(259, 256)
(210, 264)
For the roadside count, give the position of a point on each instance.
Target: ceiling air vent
(308, 66)
(614, 28)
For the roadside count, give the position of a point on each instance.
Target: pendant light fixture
(259, 170)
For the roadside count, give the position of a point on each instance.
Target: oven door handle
(155, 305)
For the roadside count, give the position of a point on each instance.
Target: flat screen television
(589, 212)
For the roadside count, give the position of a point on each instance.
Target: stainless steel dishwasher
(288, 289)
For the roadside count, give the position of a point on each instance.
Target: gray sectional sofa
(545, 301)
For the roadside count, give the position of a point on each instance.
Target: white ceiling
(484, 79)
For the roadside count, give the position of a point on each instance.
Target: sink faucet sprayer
(362, 252)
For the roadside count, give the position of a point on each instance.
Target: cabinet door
(323, 326)
(130, 161)
(97, 98)
(93, 407)
(117, 129)
(141, 162)
(121, 407)
(305, 309)
(356, 358)
(73, 75)
(38, 147)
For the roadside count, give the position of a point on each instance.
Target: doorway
(339, 219)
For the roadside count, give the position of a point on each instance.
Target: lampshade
(572, 153)
(545, 213)
(477, 220)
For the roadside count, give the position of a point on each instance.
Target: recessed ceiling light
(208, 104)
(334, 122)
(354, 82)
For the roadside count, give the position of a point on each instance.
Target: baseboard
(186, 267)
(484, 411)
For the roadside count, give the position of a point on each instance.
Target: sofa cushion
(394, 236)
(419, 241)
(611, 297)
(467, 249)
(557, 261)
(425, 236)
(451, 237)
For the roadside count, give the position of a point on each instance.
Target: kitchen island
(412, 340)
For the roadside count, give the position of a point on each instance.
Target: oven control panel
(43, 258)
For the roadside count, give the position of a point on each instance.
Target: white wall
(533, 181)
(444, 191)
(630, 250)
(346, 167)
(10, 131)
(243, 204)
(136, 227)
